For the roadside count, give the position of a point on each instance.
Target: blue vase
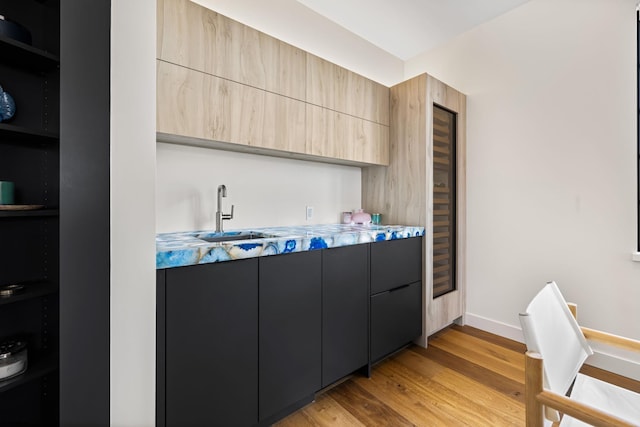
(7, 106)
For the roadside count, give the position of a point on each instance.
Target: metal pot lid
(11, 347)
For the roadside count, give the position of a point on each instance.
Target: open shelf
(31, 290)
(22, 134)
(37, 368)
(27, 57)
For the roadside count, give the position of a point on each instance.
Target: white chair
(556, 349)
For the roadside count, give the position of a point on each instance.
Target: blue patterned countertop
(188, 247)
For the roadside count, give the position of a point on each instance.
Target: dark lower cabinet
(289, 344)
(345, 311)
(396, 295)
(396, 319)
(210, 324)
(248, 342)
(395, 263)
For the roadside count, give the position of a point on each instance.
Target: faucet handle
(228, 216)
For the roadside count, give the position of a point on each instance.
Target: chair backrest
(551, 330)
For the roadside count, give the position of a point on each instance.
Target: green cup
(6, 192)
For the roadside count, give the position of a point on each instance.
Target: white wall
(133, 290)
(551, 173)
(551, 159)
(266, 191)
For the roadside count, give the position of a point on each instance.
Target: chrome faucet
(222, 192)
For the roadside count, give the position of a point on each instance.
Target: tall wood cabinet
(407, 192)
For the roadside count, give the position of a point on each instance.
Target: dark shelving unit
(30, 239)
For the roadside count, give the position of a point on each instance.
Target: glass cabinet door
(444, 201)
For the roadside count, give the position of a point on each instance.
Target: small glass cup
(376, 219)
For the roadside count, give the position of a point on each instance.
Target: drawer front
(396, 319)
(395, 263)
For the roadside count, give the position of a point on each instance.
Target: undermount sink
(234, 237)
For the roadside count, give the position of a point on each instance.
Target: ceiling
(406, 28)
(374, 38)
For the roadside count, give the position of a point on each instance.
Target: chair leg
(532, 387)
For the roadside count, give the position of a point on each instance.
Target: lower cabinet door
(396, 319)
(211, 333)
(345, 311)
(289, 344)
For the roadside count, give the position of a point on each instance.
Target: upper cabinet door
(336, 88)
(344, 137)
(197, 105)
(199, 38)
(224, 85)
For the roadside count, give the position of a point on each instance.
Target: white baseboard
(619, 362)
(495, 327)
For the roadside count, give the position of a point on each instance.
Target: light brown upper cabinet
(224, 85)
(336, 88)
(347, 114)
(199, 38)
(422, 187)
(341, 136)
(203, 107)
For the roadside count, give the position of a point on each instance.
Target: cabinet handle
(399, 288)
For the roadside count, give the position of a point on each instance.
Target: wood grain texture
(336, 88)
(398, 192)
(403, 192)
(414, 388)
(240, 86)
(469, 384)
(534, 409)
(588, 414)
(341, 136)
(199, 38)
(611, 339)
(198, 105)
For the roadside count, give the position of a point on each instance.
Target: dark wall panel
(84, 212)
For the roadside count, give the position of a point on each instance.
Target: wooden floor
(466, 377)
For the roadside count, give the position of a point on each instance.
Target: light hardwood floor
(466, 377)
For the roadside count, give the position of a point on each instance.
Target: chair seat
(607, 397)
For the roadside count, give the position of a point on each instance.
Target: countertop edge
(181, 249)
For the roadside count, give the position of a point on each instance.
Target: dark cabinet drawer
(396, 319)
(395, 263)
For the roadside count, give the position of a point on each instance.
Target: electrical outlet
(309, 212)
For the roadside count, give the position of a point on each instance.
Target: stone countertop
(187, 248)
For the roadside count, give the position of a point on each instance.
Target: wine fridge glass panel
(444, 201)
